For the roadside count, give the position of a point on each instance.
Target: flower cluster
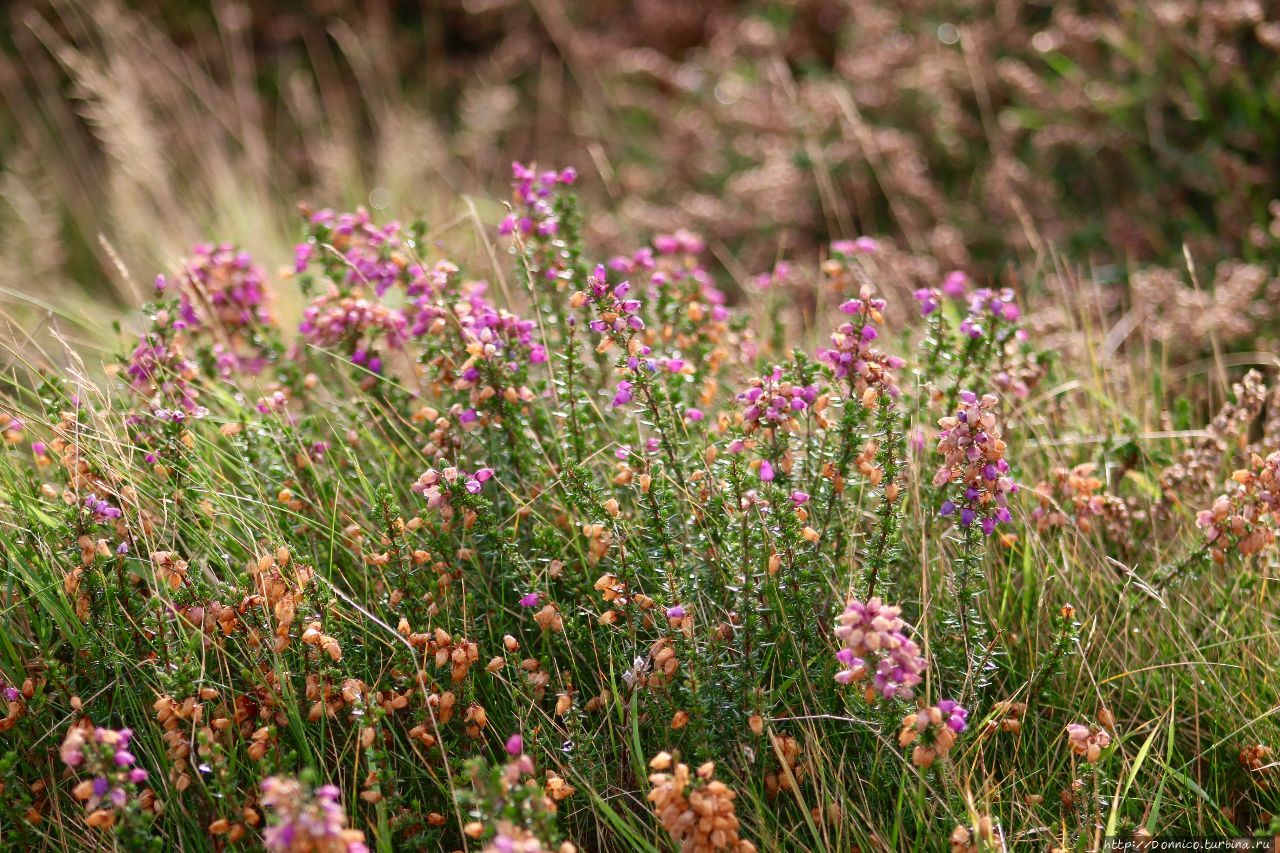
(510, 810)
(874, 642)
(534, 194)
(852, 356)
(697, 811)
(541, 221)
(619, 323)
(114, 775)
(688, 311)
(933, 730)
(671, 267)
(307, 821)
(1087, 741)
(1244, 518)
(773, 403)
(989, 312)
(437, 487)
(356, 323)
(499, 345)
(617, 312)
(954, 286)
(363, 254)
(100, 509)
(973, 458)
(162, 376)
(1075, 496)
(222, 285)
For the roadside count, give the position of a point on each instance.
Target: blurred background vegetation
(975, 135)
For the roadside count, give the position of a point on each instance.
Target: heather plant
(293, 580)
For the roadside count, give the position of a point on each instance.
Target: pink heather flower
(771, 402)
(693, 415)
(917, 440)
(874, 642)
(868, 370)
(435, 487)
(766, 471)
(101, 510)
(676, 612)
(798, 497)
(956, 284)
(103, 755)
(929, 298)
(1244, 519)
(777, 277)
(307, 820)
(990, 309)
(39, 448)
(933, 730)
(973, 460)
(161, 375)
(1087, 741)
(534, 214)
(530, 600)
(860, 246)
(622, 395)
(222, 285)
(73, 747)
(954, 716)
(515, 744)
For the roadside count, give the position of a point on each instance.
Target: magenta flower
(874, 642)
(956, 284)
(973, 460)
(852, 357)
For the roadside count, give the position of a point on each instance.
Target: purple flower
(973, 461)
(676, 612)
(874, 642)
(515, 745)
(928, 299)
(623, 394)
(530, 600)
(956, 284)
